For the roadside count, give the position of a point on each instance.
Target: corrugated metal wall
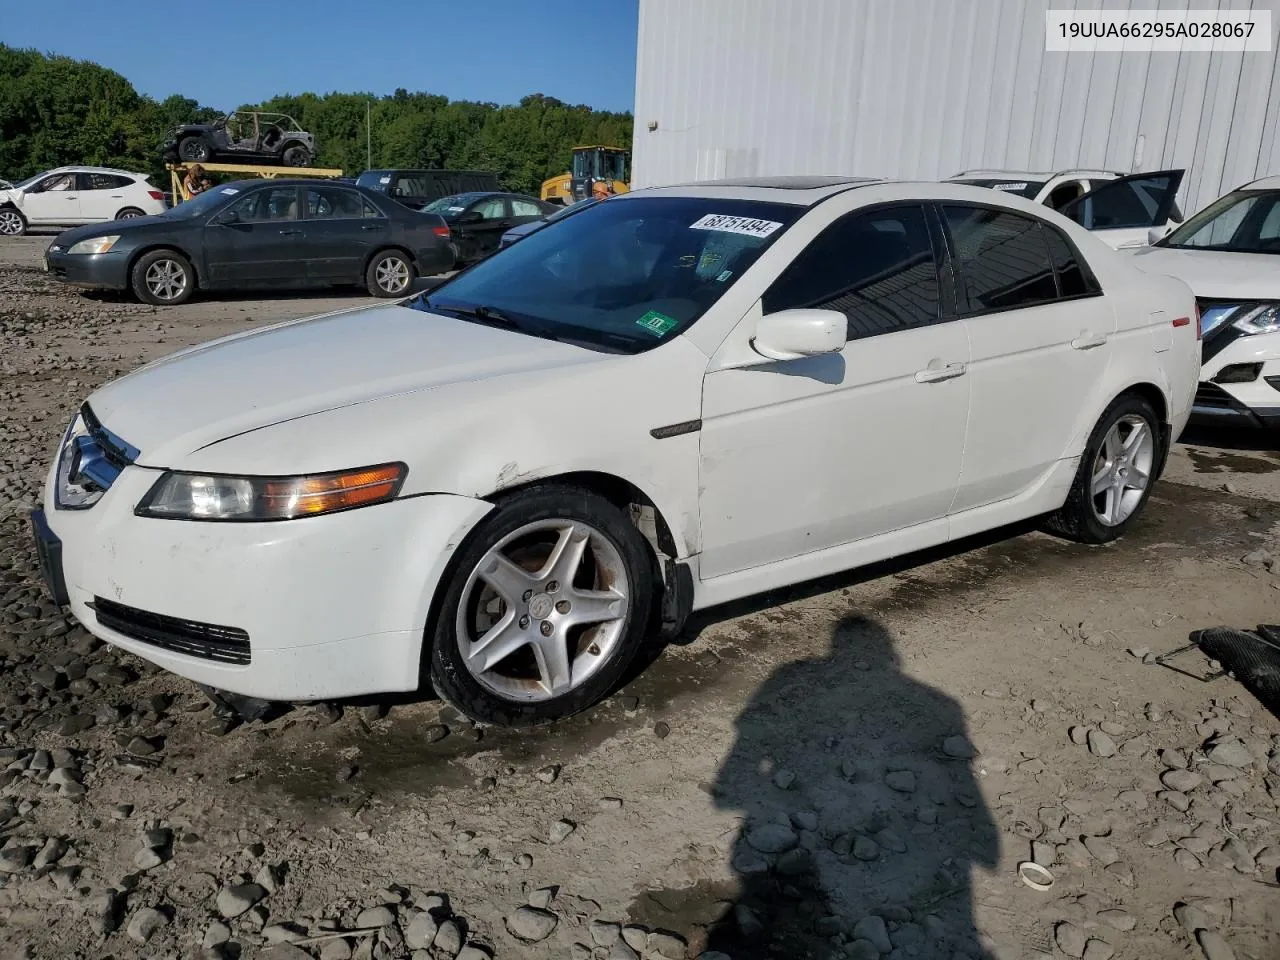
(927, 88)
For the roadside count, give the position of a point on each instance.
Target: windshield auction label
(659, 324)
(748, 226)
(1009, 186)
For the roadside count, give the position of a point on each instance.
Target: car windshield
(21, 184)
(373, 180)
(1246, 221)
(1021, 188)
(450, 206)
(625, 275)
(201, 204)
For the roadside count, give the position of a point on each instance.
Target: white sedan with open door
(667, 401)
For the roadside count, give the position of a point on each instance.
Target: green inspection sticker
(659, 324)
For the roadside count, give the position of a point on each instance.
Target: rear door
(341, 229)
(55, 199)
(102, 195)
(259, 239)
(1039, 334)
(1123, 211)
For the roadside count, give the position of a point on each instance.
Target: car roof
(1036, 175)
(800, 191)
(83, 169)
(1266, 183)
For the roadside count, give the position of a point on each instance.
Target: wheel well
(389, 247)
(1155, 396)
(123, 209)
(133, 261)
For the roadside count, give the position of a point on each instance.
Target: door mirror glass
(792, 334)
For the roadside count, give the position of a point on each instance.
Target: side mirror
(792, 334)
(1158, 233)
(471, 216)
(227, 218)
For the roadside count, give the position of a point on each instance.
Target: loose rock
(531, 924)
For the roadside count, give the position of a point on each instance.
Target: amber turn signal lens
(307, 496)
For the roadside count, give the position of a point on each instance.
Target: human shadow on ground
(862, 819)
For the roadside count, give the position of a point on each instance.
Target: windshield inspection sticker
(724, 275)
(1009, 186)
(748, 226)
(659, 324)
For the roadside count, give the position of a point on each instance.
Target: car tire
(164, 278)
(1116, 472)
(296, 156)
(12, 222)
(194, 150)
(130, 213)
(390, 274)
(527, 530)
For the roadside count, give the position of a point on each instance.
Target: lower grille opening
(1212, 395)
(208, 641)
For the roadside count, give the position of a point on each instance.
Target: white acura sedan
(671, 400)
(1229, 253)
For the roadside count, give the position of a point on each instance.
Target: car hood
(1216, 274)
(122, 228)
(525, 229)
(175, 406)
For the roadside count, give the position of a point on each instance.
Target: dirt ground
(855, 769)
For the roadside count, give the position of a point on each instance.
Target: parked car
(417, 188)
(1120, 209)
(478, 220)
(245, 136)
(75, 195)
(1229, 253)
(765, 381)
(516, 233)
(259, 233)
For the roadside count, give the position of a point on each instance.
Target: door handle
(290, 233)
(1087, 342)
(370, 226)
(932, 374)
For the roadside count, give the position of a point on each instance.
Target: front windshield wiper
(490, 316)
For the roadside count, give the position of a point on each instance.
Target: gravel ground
(854, 769)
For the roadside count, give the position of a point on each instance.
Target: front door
(477, 238)
(1123, 211)
(804, 455)
(1039, 334)
(258, 239)
(55, 199)
(342, 230)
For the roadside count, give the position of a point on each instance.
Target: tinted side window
(1129, 203)
(333, 203)
(369, 209)
(104, 181)
(273, 203)
(876, 268)
(1074, 280)
(1002, 258)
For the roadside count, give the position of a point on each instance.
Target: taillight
(441, 231)
(155, 194)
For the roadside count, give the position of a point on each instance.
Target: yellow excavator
(591, 165)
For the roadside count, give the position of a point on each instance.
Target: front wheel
(1113, 481)
(389, 274)
(164, 278)
(542, 610)
(12, 223)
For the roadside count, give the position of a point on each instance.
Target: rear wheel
(543, 609)
(129, 213)
(193, 150)
(297, 156)
(1113, 481)
(164, 278)
(12, 223)
(389, 274)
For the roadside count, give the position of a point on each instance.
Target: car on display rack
(258, 233)
(678, 397)
(518, 233)
(478, 220)
(1121, 209)
(1229, 254)
(76, 195)
(245, 136)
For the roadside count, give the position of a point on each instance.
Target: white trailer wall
(927, 88)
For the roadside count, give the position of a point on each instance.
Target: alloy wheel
(10, 223)
(166, 280)
(544, 609)
(392, 275)
(1122, 470)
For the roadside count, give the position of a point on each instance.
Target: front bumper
(317, 608)
(96, 271)
(1255, 402)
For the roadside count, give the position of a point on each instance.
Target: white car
(667, 401)
(1229, 254)
(73, 196)
(1125, 211)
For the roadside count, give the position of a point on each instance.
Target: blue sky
(228, 52)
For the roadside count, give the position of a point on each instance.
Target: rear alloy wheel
(130, 213)
(389, 274)
(12, 223)
(1114, 478)
(297, 157)
(193, 150)
(164, 278)
(544, 609)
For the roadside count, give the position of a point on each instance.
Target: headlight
(194, 496)
(95, 245)
(1261, 319)
(72, 492)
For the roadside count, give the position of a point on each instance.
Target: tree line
(56, 110)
